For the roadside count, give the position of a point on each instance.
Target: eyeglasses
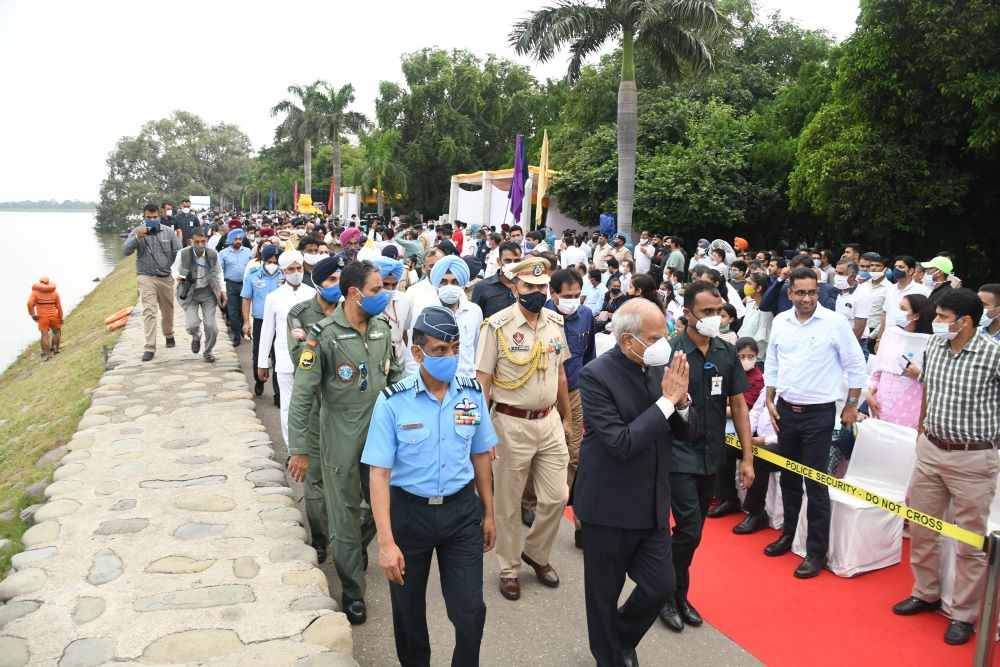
(802, 293)
(363, 375)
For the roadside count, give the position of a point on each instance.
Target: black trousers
(258, 324)
(454, 530)
(608, 555)
(234, 307)
(690, 496)
(756, 494)
(806, 438)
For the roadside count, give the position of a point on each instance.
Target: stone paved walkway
(169, 535)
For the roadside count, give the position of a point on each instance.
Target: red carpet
(828, 620)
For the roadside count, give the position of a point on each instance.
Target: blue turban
(269, 251)
(452, 264)
(235, 234)
(388, 267)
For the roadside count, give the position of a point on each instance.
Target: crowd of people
(440, 385)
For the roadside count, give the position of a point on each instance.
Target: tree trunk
(336, 175)
(628, 111)
(308, 150)
(380, 203)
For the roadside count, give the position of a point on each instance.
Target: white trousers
(285, 382)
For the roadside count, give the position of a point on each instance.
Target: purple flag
(518, 178)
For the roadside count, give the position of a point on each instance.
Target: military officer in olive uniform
(304, 465)
(519, 363)
(429, 451)
(347, 360)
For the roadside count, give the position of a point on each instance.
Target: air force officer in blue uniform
(428, 449)
(633, 407)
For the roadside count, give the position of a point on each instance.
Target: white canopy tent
(484, 201)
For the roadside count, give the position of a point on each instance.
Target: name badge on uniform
(411, 427)
(717, 385)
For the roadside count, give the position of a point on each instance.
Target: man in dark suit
(632, 408)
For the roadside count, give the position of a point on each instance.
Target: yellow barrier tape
(914, 516)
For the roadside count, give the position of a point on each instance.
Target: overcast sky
(77, 76)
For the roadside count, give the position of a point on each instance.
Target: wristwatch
(852, 400)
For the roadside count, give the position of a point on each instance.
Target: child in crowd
(682, 324)
(748, 350)
(725, 333)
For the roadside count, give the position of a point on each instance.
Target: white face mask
(709, 326)
(311, 259)
(841, 282)
(944, 329)
(450, 294)
(748, 364)
(568, 306)
(299, 232)
(270, 268)
(656, 354)
(186, 209)
(294, 279)
(167, 213)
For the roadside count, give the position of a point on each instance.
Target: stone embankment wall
(169, 535)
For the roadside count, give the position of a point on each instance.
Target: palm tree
(303, 122)
(381, 165)
(337, 120)
(676, 33)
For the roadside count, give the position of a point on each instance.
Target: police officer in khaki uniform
(519, 364)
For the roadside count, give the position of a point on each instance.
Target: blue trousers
(806, 438)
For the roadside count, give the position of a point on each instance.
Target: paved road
(545, 627)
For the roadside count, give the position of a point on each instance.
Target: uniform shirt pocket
(414, 445)
(465, 433)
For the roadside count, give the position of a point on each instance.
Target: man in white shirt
(903, 268)
(449, 277)
(853, 302)
(808, 352)
(872, 279)
(573, 254)
(644, 253)
(594, 291)
(422, 294)
(273, 329)
(397, 310)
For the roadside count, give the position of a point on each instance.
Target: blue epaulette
(393, 389)
(469, 383)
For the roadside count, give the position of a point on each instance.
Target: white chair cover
(864, 537)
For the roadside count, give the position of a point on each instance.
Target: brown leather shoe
(546, 575)
(510, 588)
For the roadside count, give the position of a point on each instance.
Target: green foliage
(168, 160)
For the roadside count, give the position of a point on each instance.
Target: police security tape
(914, 516)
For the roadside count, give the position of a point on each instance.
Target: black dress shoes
(810, 567)
(914, 605)
(355, 610)
(578, 539)
(527, 516)
(958, 632)
(629, 658)
(171, 342)
(671, 617)
(689, 614)
(196, 345)
(724, 508)
(236, 341)
(258, 387)
(209, 358)
(320, 552)
(780, 547)
(750, 524)
(147, 355)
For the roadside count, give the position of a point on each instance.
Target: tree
(336, 120)
(677, 34)
(168, 160)
(381, 166)
(303, 123)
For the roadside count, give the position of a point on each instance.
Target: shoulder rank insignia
(393, 389)
(469, 383)
(498, 320)
(297, 309)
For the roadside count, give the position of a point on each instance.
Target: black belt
(435, 500)
(959, 447)
(235, 282)
(800, 409)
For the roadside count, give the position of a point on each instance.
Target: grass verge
(42, 403)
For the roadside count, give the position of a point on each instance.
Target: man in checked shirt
(956, 457)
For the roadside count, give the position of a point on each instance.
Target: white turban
(288, 258)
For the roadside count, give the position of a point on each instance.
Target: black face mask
(533, 302)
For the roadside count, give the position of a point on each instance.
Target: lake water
(60, 245)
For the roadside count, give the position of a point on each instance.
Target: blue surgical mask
(374, 305)
(330, 294)
(442, 369)
(528, 245)
(865, 276)
(152, 224)
(816, 263)
(898, 274)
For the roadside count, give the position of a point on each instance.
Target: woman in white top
(274, 328)
(756, 323)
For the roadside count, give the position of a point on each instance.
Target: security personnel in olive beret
(347, 360)
(519, 363)
(428, 450)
